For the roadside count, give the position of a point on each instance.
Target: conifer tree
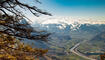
(11, 30)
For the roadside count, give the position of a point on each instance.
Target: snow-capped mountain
(74, 22)
(66, 28)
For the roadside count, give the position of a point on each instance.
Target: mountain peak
(74, 22)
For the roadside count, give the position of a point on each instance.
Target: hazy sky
(80, 8)
(74, 7)
(71, 7)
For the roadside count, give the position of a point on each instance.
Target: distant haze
(69, 19)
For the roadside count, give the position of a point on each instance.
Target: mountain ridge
(75, 22)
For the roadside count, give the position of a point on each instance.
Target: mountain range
(62, 22)
(70, 28)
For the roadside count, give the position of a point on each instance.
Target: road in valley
(75, 51)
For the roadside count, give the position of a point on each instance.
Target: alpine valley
(80, 37)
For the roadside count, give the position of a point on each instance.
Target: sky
(74, 7)
(69, 8)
